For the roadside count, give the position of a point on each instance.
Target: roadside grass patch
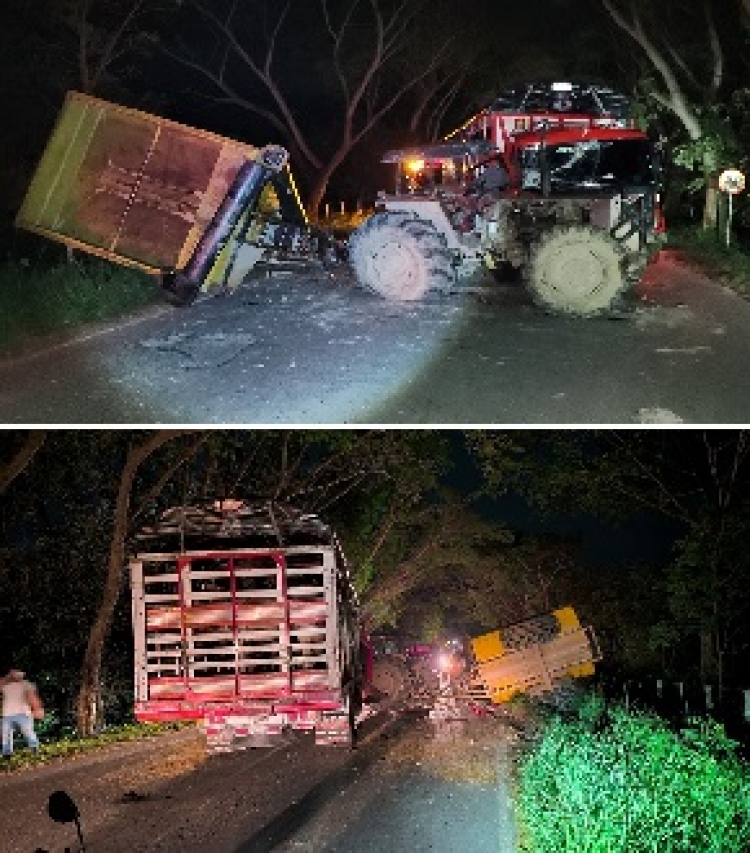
(71, 746)
(40, 297)
(633, 785)
(729, 264)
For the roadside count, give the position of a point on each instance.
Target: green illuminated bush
(634, 787)
(39, 297)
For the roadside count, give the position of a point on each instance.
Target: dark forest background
(340, 81)
(446, 532)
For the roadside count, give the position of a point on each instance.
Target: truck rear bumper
(231, 726)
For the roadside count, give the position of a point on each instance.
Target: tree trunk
(88, 702)
(318, 191)
(720, 674)
(708, 666)
(674, 98)
(711, 209)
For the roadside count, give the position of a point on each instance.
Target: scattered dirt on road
(459, 751)
(429, 789)
(178, 759)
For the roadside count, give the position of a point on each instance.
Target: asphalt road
(317, 350)
(402, 789)
(434, 790)
(163, 795)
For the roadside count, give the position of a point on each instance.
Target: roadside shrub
(38, 297)
(626, 783)
(729, 264)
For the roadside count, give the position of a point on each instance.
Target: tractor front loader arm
(244, 192)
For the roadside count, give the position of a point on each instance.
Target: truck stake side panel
(252, 641)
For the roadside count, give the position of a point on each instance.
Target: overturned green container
(132, 187)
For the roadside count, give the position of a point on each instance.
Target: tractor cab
(438, 169)
(564, 138)
(596, 161)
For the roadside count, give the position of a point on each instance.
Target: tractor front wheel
(577, 270)
(401, 257)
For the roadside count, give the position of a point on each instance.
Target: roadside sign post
(731, 182)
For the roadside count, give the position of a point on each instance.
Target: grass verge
(635, 786)
(730, 265)
(71, 746)
(42, 297)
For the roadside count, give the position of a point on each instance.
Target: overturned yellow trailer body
(138, 189)
(533, 656)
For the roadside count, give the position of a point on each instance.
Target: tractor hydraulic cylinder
(243, 193)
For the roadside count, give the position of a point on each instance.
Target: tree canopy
(431, 548)
(340, 81)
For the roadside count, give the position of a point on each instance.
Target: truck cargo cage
(244, 617)
(229, 523)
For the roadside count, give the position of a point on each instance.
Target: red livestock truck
(245, 617)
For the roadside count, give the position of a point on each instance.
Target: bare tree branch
(21, 459)
(675, 98)
(112, 46)
(167, 475)
(100, 48)
(358, 70)
(261, 71)
(717, 78)
(231, 95)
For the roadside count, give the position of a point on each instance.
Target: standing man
(21, 705)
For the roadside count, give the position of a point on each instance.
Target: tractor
(551, 184)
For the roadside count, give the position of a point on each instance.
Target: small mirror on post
(62, 809)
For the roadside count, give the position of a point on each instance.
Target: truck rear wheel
(577, 270)
(401, 257)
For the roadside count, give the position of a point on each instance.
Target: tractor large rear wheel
(401, 257)
(577, 270)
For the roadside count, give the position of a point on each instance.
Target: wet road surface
(433, 791)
